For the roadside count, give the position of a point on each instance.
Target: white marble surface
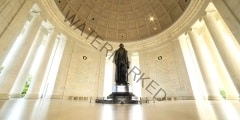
(58, 109)
(121, 88)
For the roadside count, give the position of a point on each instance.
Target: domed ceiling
(123, 20)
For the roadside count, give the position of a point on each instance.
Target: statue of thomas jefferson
(122, 65)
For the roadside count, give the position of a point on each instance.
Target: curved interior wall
(81, 69)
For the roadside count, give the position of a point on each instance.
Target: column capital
(211, 10)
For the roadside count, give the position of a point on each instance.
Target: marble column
(193, 69)
(143, 67)
(38, 80)
(136, 87)
(55, 68)
(15, 64)
(25, 72)
(229, 16)
(206, 64)
(15, 23)
(63, 72)
(227, 46)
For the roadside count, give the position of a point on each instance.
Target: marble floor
(58, 109)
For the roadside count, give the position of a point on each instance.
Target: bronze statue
(122, 65)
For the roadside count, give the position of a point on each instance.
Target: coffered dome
(123, 20)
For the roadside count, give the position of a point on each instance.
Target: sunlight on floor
(41, 109)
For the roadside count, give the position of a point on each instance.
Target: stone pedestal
(121, 94)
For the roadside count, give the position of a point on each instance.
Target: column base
(120, 95)
(4, 96)
(215, 98)
(15, 96)
(32, 96)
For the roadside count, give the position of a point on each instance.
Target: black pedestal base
(119, 98)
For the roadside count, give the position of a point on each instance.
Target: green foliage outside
(223, 93)
(26, 86)
(1, 68)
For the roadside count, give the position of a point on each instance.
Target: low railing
(141, 100)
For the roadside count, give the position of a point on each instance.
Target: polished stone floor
(57, 109)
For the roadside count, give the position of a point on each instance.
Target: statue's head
(121, 45)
